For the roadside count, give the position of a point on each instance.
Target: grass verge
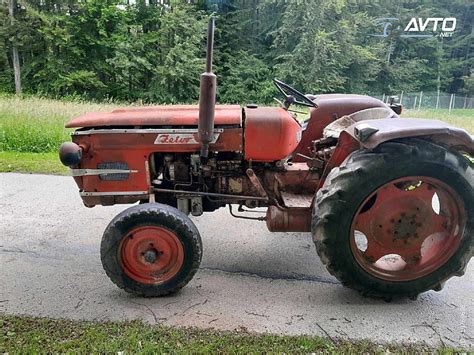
(40, 163)
(457, 117)
(37, 125)
(33, 335)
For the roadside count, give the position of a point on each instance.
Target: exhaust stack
(207, 96)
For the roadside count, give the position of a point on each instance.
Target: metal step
(292, 200)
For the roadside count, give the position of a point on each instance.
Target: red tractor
(389, 201)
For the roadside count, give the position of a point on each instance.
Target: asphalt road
(250, 279)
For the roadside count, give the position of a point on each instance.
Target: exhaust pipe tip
(70, 154)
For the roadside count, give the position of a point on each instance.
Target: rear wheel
(151, 250)
(398, 220)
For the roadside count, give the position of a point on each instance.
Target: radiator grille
(114, 165)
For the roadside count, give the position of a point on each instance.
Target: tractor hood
(175, 115)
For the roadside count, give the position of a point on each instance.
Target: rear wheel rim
(407, 228)
(151, 255)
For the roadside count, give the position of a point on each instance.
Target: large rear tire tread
(158, 215)
(335, 206)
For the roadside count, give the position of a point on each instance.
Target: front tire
(397, 220)
(151, 250)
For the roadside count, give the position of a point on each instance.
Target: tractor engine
(249, 177)
(222, 174)
(185, 182)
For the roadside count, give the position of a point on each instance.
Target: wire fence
(431, 100)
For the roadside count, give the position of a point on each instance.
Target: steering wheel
(292, 96)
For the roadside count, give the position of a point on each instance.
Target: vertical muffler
(207, 96)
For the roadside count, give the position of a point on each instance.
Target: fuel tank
(270, 134)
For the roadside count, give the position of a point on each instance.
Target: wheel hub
(406, 236)
(151, 254)
(401, 229)
(404, 228)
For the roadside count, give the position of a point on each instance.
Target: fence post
(383, 98)
(454, 100)
(419, 103)
(401, 98)
(465, 101)
(414, 102)
(437, 100)
(450, 102)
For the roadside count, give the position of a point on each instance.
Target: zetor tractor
(389, 201)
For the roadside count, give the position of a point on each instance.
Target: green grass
(33, 335)
(458, 117)
(40, 163)
(37, 125)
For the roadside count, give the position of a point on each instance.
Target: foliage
(152, 51)
(247, 79)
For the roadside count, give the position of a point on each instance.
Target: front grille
(114, 165)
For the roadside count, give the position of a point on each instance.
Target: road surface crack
(257, 314)
(155, 317)
(295, 277)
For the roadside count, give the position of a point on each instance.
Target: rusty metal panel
(229, 139)
(177, 115)
(292, 200)
(297, 179)
(134, 149)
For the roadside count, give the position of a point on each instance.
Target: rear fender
(368, 134)
(383, 130)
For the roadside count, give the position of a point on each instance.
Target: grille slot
(114, 176)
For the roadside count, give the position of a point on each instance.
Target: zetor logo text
(419, 27)
(170, 138)
(181, 138)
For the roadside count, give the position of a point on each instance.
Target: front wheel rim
(407, 228)
(151, 254)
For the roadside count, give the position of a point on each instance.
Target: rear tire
(151, 250)
(359, 187)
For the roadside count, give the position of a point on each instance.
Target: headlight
(70, 154)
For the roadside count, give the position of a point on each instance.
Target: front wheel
(398, 220)
(151, 250)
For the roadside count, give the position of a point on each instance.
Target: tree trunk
(15, 56)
